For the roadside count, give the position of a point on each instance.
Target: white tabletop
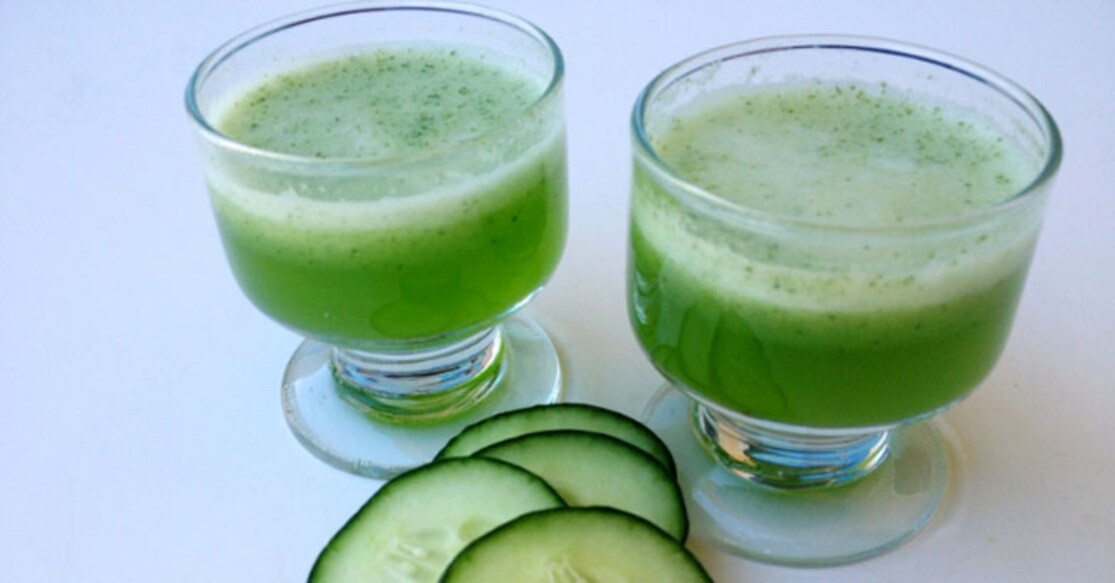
(141, 435)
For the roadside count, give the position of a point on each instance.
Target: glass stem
(424, 384)
(765, 455)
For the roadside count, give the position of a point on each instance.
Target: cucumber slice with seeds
(414, 526)
(552, 417)
(576, 545)
(592, 469)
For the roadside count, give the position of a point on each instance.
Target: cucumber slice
(411, 529)
(576, 544)
(560, 416)
(593, 469)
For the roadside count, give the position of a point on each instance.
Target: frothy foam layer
(382, 103)
(841, 154)
(374, 115)
(307, 207)
(831, 155)
(736, 277)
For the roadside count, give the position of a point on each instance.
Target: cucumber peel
(511, 424)
(592, 469)
(575, 545)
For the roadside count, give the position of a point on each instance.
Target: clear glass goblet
(829, 237)
(403, 197)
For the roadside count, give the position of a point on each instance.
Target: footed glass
(389, 181)
(829, 238)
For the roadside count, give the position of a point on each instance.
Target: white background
(141, 437)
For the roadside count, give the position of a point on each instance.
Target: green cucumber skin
(588, 523)
(678, 526)
(339, 544)
(556, 417)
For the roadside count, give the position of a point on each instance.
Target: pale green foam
(382, 103)
(838, 159)
(841, 154)
(307, 207)
(383, 107)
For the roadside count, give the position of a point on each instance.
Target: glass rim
(770, 44)
(211, 63)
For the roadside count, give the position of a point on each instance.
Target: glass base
(819, 526)
(320, 411)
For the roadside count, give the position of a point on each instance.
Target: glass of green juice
(829, 236)
(389, 181)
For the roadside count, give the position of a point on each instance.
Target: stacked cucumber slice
(574, 416)
(564, 492)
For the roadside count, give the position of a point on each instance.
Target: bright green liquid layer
(836, 334)
(347, 265)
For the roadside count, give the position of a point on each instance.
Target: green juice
(865, 303)
(424, 194)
